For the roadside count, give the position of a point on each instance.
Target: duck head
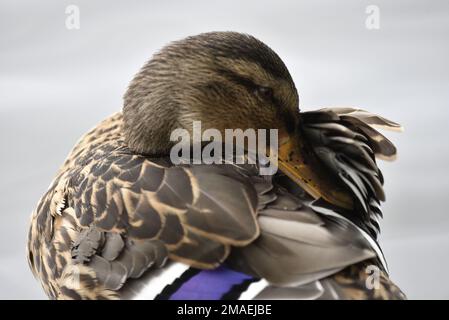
(226, 80)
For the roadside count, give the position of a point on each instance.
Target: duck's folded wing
(134, 213)
(297, 246)
(306, 252)
(129, 209)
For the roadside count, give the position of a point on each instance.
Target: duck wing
(111, 215)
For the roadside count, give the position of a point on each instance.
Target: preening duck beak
(297, 160)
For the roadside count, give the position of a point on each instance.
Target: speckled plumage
(88, 237)
(112, 214)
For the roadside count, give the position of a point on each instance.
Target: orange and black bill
(297, 160)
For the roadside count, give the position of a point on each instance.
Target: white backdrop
(56, 83)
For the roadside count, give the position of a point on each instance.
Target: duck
(121, 220)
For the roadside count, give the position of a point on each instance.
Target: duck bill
(297, 160)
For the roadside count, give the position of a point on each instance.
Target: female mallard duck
(120, 220)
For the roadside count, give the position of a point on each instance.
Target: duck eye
(265, 92)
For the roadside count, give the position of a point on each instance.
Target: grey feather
(86, 244)
(113, 246)
(307, 247)
(367, 117)
(285, 201)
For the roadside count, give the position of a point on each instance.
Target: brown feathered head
(226, 80)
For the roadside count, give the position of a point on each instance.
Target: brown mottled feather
(351, 284)
(112, 195)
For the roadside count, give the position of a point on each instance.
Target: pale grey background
(55, 84)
